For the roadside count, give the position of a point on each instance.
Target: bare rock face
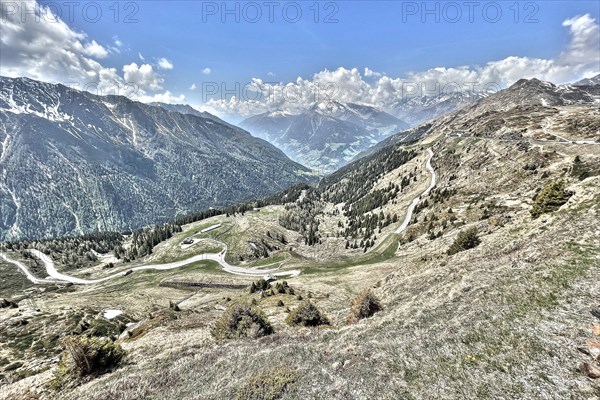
(72, 162)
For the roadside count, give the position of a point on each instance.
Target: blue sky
(368, 34)
(387, 37)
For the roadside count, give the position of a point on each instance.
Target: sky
(243, 58)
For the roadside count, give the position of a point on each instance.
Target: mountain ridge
(327, 135)
(71, 158)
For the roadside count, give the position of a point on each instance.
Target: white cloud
(580, 59)
(193, 87)
(372, 74)
(43, 47)
(117, 41)
(142, 76)
(163, 63)
(116, 46)
(585, 42)
(93, 49)
(166, 97)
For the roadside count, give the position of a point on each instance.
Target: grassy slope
(502, 320)
(499, 321)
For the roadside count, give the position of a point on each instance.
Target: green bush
(364, 305)
(465, 240)
(550, 198)
(84, 356)
(242, 321)
(306, 314)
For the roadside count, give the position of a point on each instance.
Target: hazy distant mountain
(73, 162)
(416, 110)
(327, 135)
(589, 81)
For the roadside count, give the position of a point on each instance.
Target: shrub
(268, 385)
(259, 285)
(306, 314)
(465, 240)
(283, 288)
(241, 321)
(364, 305)
(84, 356)
(550, 198)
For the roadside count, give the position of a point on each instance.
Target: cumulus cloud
(372, 74)
(582, 51)
(41, 46)
(166, 97)
(579, 59)
(163, 63)
(193, 87)
(143, 76)
(93, 49)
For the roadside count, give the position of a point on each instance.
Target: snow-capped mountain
(531, 92)
(588, 81)
(416, 110)
(72, 162)
(326, 136)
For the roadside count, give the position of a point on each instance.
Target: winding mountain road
(547, 125)
(25, 270)
(218, 257)
(417, 199)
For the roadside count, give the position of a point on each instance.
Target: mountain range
(72, 162)
(526, 99)
(330, 134)
(327, 135)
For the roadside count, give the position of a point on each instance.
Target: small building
(269, 278)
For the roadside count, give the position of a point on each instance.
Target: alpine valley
(457, 259)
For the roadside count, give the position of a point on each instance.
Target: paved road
(417, 199)
(25, 270)
(218, 257)
(547, 125)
